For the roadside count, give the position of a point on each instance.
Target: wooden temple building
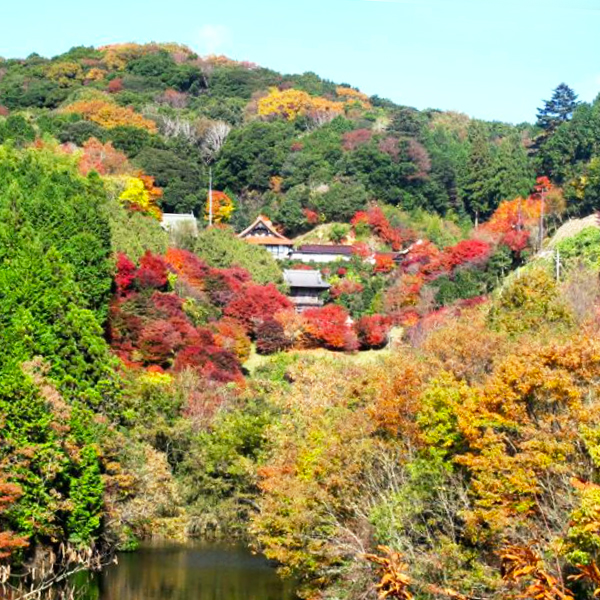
(306, 287)
(263, 233)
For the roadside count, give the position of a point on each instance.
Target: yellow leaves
(156, 378)
(353, 96)
(108, 114)
(140, 194)
(291, 103)
(95, 75)
(221, 206)
(65, 73)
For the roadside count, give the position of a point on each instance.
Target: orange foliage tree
(102, 158)
(108, 114)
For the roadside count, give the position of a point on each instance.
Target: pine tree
(480, 165)
(557, 110)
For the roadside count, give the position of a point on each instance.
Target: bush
(372, 331)
(271, 338)
(329, 327)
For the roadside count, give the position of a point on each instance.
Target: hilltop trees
(558, 109)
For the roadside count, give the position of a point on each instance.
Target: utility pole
(557, 265)
(543, 200)
(210, 202)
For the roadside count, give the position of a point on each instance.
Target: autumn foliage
(329, 326)
(220, 205)
(291, 103)
(109, 115)
(9, 542)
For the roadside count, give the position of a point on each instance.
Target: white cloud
(213, 38)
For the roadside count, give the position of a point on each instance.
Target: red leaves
(516, 240)
(329, 326)
(381, 227)
(312, 217)
(254, 304)
(152, 272)
(125, 275)
(271, 338)
(372, 331)
(384, 263)
(159, 342)
(353, 139)
(187, 266)
(467, 252)
(115, 85)
(346, 287)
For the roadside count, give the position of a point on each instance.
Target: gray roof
(301, 278)
(326, 249)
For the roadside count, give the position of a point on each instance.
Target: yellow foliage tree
(141, 194)
(65, 73)
(109, 115)
(292, 103)
(352, 95)
(222, 207)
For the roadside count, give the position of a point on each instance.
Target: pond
(207, 571)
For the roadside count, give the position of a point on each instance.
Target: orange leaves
(524, 429)
(102, 158)
(353, 96)
(109, 115)
(9, 493)
(591, 573)
(397, 402)
(329, 326)
(291, 103)
(394, 581)
(221, 206)
(525, 564)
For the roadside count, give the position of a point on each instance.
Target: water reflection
(197, 572)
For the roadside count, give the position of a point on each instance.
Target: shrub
(271, 338)
(329, 327)
(255, 304)
(152, 272)
(372, 331)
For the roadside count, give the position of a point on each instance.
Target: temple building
(263, 233)
(306, 288)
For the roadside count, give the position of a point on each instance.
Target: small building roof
(326, 249)
(264, 240)
(303, 278)
(261, 223)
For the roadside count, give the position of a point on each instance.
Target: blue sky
(493, 59)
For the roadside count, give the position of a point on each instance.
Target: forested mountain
(431, 432)
(296, 141)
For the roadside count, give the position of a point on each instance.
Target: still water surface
(189, 572)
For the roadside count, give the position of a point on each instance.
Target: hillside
(288, 145)
(156, 385)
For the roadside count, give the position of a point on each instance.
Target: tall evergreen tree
(480, 171)
(558, 109)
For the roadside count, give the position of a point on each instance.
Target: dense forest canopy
(432, 431)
